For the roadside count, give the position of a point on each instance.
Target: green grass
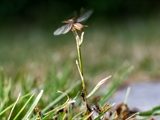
(32, 60)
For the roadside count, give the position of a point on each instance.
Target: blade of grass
(116, 85)
(151, 112)
(62, 116)
(97, 86)
(23, 107)
(127, 95)
(132, 115)
(60, 97)
(87, 117)
(23, 97)
(48, 114)
(14, 106)
(114, 115)
(67, 103)
(33, 106)
(5, 89)
(78, 115)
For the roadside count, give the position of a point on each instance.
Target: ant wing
(85, 16)
(73, 15)
(63, 30)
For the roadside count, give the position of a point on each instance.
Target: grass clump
(42, 103)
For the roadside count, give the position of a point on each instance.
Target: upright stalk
(79, 43)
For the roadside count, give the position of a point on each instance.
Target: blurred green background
(119, 31)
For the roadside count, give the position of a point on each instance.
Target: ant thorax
(71, 21)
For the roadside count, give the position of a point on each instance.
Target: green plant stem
(80, 68)
(79, 42)
(80, 58)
